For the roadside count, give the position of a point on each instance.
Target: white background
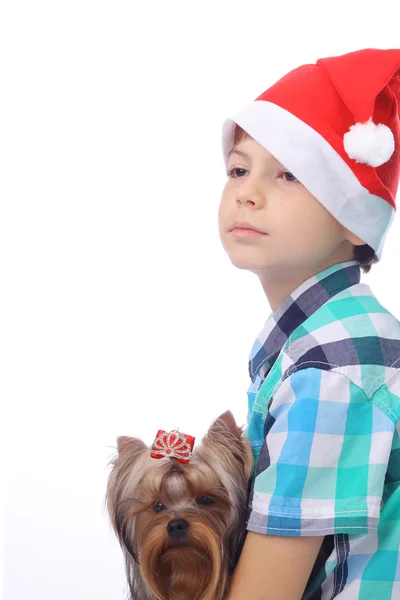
(122, 314)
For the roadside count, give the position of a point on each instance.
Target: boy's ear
(354, 239)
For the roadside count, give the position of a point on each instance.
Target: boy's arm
(274, 567)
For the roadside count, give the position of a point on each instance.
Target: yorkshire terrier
(180, 520)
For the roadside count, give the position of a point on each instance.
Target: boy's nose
(249, 192)
(177, 528)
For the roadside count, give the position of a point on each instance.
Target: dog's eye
(159, 507)
(205, 500)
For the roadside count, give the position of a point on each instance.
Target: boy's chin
(250, 263)
(278, 265)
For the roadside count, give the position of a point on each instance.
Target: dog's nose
(177, 528)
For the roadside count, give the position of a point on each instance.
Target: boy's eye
(159, 507)
(205, 500)
(287, 176)
(236, 172)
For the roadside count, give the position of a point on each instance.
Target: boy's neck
(278, 286)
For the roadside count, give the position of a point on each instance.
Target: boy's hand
(274, 567)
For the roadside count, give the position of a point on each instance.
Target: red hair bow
(174, 444)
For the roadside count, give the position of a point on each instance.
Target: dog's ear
(227, 421)
(226, 440)
(125, 443)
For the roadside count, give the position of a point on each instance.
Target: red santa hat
(336, 126)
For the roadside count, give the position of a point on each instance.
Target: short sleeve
(322, 465)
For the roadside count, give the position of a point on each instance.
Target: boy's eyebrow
(240, 152)
(245, 155)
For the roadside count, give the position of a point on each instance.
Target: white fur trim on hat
(368, 143)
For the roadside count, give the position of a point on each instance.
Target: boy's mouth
(238, 226)
(244, 233)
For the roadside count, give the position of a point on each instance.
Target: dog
(180, 520)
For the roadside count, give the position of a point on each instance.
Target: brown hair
(366, 257)
(364, 254)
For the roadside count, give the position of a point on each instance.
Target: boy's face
(300, 235)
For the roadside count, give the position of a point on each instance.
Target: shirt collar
(295, 309)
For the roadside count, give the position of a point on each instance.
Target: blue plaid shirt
(324, 413)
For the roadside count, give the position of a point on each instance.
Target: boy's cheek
(226, 212)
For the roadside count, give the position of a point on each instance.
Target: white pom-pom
(368, 143)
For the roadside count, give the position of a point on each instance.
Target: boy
(313, 170)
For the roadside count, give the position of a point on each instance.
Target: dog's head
(181, 526)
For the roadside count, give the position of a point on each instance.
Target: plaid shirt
(324, 410)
